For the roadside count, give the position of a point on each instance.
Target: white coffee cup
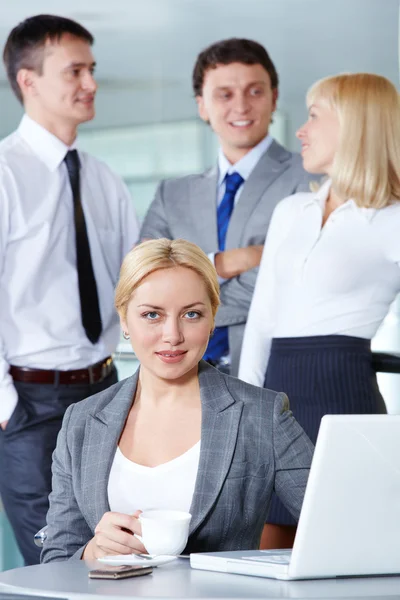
(164, 531)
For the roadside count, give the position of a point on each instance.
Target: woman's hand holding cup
(114, 535)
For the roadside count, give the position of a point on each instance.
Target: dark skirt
(322, 375)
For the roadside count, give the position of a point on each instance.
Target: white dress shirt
(337, 279)
(244, 167)
(170, 485)
(40, 325)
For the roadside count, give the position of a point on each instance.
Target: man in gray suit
(226, 210)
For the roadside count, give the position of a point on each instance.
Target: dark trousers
(26, 448)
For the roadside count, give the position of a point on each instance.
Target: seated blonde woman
(178, 434)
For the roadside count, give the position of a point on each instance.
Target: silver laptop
(350, 519)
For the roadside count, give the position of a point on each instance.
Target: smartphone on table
(120, 572)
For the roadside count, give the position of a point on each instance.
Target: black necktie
(90, 310)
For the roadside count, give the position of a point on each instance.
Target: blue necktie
(219, 345)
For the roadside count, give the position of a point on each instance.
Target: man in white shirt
(66, 221)
(226, 210)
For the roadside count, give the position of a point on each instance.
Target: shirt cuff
(211, 256)
(8, 401)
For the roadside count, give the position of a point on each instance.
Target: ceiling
(145, 49)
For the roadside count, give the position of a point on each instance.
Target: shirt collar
(47, 147)
(319, 197)
(245, 165)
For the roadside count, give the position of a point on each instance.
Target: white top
(340, 279)
(40, 325)
(170, 485)
(244, 166)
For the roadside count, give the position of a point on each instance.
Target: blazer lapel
(219, 429)
(221, 415)
(270, 166)
(102, 432)
(203, 207)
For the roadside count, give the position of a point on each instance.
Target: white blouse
(170, 485)
(337, 279)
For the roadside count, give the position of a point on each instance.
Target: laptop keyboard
(283, 558)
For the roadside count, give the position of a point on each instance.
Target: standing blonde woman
(178, 434)
(331, 264)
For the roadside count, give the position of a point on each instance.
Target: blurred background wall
(146, 126)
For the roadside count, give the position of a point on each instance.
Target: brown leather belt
(93, 374)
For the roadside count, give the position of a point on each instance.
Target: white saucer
(133, 559)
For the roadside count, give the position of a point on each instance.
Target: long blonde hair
(366, 167)
(162, 253)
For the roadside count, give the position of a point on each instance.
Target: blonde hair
(366, 167)
(153, 255)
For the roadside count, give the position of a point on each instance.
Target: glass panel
(126, 366)
(142, 194)
(179, 149)
(128, 152)
(10, 557)
(157, 150)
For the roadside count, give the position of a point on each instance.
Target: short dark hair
(230, 51)
(24, 48)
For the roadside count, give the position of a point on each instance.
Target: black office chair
(386, 363)
(40, 536)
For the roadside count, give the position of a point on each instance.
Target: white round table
(177, 580)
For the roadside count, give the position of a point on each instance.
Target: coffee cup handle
(139, 537)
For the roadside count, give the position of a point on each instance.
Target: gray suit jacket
(250, 445)
(187, 208)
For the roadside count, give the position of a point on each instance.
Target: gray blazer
(187, 208)
(250, 445)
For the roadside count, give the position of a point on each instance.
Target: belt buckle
(91, 375)
(106, 368)
(104, 371)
